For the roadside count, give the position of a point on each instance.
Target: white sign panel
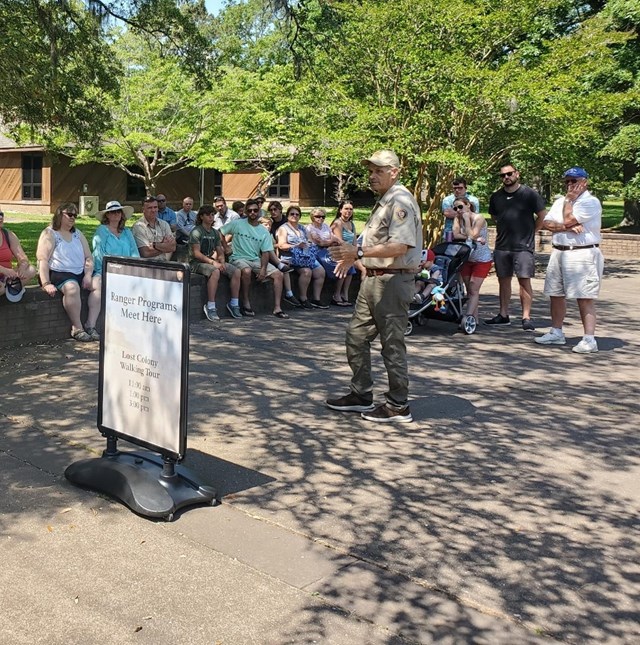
(143, 341)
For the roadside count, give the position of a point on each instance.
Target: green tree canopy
(156, 119)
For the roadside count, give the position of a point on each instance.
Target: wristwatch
(360, 253)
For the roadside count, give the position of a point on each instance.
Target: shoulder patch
(400, 213)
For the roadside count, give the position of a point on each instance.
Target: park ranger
(390, 251)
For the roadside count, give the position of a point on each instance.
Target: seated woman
(319, 232)
(11, 249)
(65, 264)
(472, 227)
(110, 238)
(344, 229)
(292, 236)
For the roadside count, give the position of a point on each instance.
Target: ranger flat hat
(383, 158)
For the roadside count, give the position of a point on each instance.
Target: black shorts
(520, 263)
(59, 278)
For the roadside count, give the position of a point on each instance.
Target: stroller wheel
(469, 324)
(408, 329)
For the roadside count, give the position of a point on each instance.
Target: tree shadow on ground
(514, 492)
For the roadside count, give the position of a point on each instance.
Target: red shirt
(6, 254)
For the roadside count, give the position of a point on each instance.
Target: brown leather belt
(378, 272)
(571, 248)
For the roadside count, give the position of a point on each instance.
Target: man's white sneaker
(551, 338)
(585, 347)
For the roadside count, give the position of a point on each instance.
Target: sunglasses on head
(459, 207)
(507, 174)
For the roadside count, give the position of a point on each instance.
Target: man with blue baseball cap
(576, 262)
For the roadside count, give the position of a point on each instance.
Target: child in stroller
(442, 295)
(427, 277)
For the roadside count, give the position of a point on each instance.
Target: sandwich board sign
(143, 389)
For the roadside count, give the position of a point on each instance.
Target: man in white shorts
(576, 262)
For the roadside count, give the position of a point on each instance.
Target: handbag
(304, 258)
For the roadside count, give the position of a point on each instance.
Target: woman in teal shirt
(111, 238)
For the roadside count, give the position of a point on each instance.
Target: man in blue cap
(576, 262)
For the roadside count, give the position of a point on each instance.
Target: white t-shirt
(588, 211)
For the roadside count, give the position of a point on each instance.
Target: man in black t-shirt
(513, 208)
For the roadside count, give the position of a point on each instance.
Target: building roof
(7, 143)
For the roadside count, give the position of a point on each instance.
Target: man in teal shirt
(252, 244)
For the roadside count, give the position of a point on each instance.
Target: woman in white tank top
(65, 264)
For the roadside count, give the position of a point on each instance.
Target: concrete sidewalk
(508, 512)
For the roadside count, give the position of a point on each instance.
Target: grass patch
(612, 214)
(29, 227)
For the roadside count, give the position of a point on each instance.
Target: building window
(136, 191)
(280, 186)
(31, 175)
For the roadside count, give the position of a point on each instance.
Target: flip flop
(340, 303)
(247, 311)
(280, 314)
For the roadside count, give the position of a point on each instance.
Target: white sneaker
(551, 338)
(585, 347)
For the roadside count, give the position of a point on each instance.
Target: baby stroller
(449, 296)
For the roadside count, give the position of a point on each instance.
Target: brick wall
(39, 318)
(613, 245)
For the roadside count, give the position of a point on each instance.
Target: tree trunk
(339, 192)
(631, 207)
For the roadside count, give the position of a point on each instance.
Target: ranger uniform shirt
(395, 218)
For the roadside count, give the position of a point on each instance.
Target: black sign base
(145, 482)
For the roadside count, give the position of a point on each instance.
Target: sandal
(93, 333)
(340, 303)
(81, 335)
(247, 311)
(280, 314)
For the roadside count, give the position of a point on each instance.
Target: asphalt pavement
(507, 512)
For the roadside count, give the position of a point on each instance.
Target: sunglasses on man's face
(506, 174)
(570, 181)
(253, 210)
